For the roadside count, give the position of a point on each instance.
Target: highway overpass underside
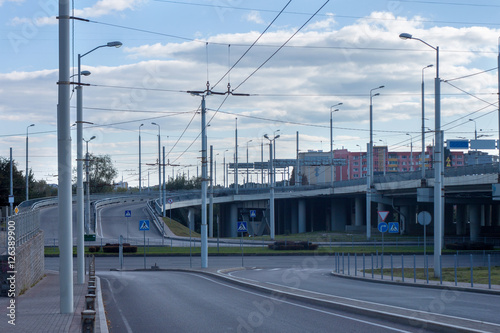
(472, 216)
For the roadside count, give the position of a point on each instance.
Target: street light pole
(87, 169)
(159, 162)
(79, 158)
(438, 165)
(27, 174)
(140, 170)
(271, 180)
(247, 159)
(411, 151)
(422, 158)
(369, 177)
(331, 139)
(224, 170)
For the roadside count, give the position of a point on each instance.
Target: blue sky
(348, 48)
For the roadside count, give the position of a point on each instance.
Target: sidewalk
(38, 309)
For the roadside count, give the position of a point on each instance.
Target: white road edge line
(127, 325)
(304, 306)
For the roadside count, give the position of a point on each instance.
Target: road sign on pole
(170, 201)
(144, 225)
(383, 215)
(253, 213)
(393, 227)
(128, 213)
(382, 227)
(242, 226)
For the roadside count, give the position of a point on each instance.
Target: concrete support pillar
(302, 215)
(233, 219)
(338, 218)
(448, 220)
(359, 216)
(475, 222)
(461, 220)
(294, 220)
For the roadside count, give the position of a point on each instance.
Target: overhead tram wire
(341, 48)
(286, 42)
(339, 16)
(250, 47)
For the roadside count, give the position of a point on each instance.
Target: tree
(18, 181)
(101, 173)
(292, 179)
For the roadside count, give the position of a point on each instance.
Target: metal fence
(22, 226)
(398, 267)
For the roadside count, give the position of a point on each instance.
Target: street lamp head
(471, 120)
(92, 138)
(377, 94)
(153, 123)
(277, 136)
(115, 44)
(431, 65)
(31, 125)
(85, 73)
(141, 125)
(405, 36)
(381, 87)
(266, 136)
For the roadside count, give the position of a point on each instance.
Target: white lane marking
(127, 326)
(304, 306)
(387, 305)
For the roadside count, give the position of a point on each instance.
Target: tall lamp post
(224, 162)
(331, 139)
(159, 162)
(87, 170)
(247, 159)
(422, 157)
(271, 180)
(79, 158)
(369, 177)
(411, 151)
(438, 165)
(27, 174)
(140, 170)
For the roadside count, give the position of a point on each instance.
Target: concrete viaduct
(470, 206)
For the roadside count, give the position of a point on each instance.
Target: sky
(307, 56)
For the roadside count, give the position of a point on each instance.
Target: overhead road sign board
(458, 144)
(482, 144)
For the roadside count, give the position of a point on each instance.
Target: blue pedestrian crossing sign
(128, 213)
(253, 213)
(382, 227)
(242, 226)
(394, 227)
(144, 225)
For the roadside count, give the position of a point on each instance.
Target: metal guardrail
(22, 226)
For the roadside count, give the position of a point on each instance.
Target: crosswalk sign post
(128, 214)
(144, 225)
(241, 228)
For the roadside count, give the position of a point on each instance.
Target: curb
(102, 324)
(419, 285)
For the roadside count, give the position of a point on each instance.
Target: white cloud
(254, 16)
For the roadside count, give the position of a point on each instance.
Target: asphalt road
(461, 304)
(187, 302)
(307, 273)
